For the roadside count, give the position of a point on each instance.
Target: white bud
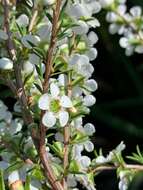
(6, 64)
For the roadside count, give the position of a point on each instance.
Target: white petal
(136, 11)
(63, 118)
(66, 102)
(14, 176)
(44, 102)
(93, 38)
(22, 20)
(89, 129)
(6, 64)
(3, 35)
(91, 85)
(101, 160)
(30, 38)
(82, 28)
(124, 42)
(85, 161)
(89, 147)
(92, 54)
(89, 100)
(49, 120)
(48, 2)
(54, 89)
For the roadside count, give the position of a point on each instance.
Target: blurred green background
(118, 113)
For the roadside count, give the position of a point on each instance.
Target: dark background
(118, 113)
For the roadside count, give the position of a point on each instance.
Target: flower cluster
(125, 23)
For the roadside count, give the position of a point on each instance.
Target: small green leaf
(27, 183)
(2, 185)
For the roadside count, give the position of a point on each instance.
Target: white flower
(34, 40)
(101, 160)
(84, 161)
(81, 65)
(48, 2)
(92, 54)
(92, 38)
(82, 28)
(78, 10)
(89, 129)
(91, 85)
(106, 3)
(3, 35)
(44, 32)
(89, 146)
(13, 177)
(89, 100)
(6, 64)
(22, 20)
(55, 106)
(71, 181)
(136, 11)
(124, 42)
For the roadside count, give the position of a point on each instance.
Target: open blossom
(56, 106)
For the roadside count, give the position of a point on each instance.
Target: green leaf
(27, 183)
(79, 137)
(17, 165)
(57, 148)
(37, 173)
(29, 78)
(2, 185)
(74, 167)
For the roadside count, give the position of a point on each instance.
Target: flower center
(55, 106)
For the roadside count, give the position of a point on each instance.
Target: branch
(126, 166)
(33, 19)
(12, 52)
(66, 144)
(42, 148)
(49, 61)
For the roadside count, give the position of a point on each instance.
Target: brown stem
(126, 166)
(23, 101)
(66, 144)
(33, 19)
(55, 28)
(56, 185)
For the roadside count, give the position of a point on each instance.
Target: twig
(125, 166)
(66, 144)
(55, 28)
(33, 19)
(43, 153)
(12, 52)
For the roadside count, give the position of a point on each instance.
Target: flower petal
(89, 100)
(49, 120)
(66, 102)
(63, 118)
(44, 102)
(54, 89)
(6, 64)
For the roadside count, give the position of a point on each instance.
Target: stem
(126, 166)
(56, 185)
(23, 102)
(33, 19)
(66, 142)
(55, 30)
